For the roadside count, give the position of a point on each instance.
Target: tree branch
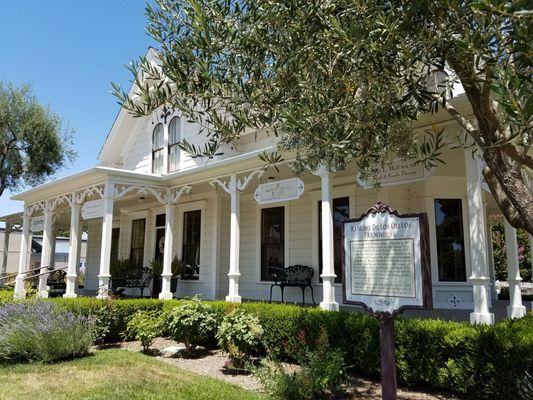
(501, 198)
(465, 124)
(517, 156)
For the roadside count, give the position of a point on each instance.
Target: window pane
(157, 161)
(272, 241)
(192, 223)
(158, 137)
(137, 242)
(174, 131)
(450, 240)
(341, 212)
(115, 236)
(160, 220)
(173, 157)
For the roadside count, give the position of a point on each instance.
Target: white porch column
(46, 252)
(235, 241)
(105, 250)
(234, 187)
(515, 308)
(3, 270)
(328, 269)
(166, 276)
(74, 248)
(478, 247)
(20, 293)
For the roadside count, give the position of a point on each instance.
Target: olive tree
(33, 145)
(341, 81)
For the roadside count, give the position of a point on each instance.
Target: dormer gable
(119, 136)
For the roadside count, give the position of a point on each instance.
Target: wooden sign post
(386, 270)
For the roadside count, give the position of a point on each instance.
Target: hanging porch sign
(397, 172)
(285, 190)
(37, 224)
(386, 270)
(92, 209)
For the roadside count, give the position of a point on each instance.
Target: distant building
(13, 253)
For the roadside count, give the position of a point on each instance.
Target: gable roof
(123, 125)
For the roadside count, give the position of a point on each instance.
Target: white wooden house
(147, 198)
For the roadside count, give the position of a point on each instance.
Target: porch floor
(499, 308)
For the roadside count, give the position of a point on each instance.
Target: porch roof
(100, 174)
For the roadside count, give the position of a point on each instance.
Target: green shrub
(145, 326)
(41, 331)
(321, 372)
(480, 361)
(194, 323)
(239, 335)
(6, 296)
(110, 316)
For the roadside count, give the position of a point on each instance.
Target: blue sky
(70, 51)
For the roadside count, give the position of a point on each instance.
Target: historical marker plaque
(386, 266)
(386, 270)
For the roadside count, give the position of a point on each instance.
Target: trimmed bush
(240, 335)
(6, 296)
(145, 326)
(480, 361)
(41, 331)
(194, 323)
(110, 316)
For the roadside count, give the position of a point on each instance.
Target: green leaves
(340, 81)
(33, 144)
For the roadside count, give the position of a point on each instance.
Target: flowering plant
(41, 331)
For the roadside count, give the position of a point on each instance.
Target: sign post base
(388, 357)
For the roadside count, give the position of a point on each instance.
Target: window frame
(346, 190)
(178, 235)
(286, 243)
(171, 145)
(465, 240)
(160, 150)
(157, 229)
(131, 248)
(318, 210)
(183, 244)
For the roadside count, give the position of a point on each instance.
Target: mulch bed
(211, 363)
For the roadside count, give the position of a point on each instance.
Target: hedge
(480, 361)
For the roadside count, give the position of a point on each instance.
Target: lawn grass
(112, 374)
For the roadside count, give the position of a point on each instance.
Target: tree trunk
(516, 201)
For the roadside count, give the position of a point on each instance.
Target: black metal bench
(294, 276)
(56, 280)
(134, 278)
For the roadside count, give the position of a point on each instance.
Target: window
(341, 212)
(450, 240)
(174, 133)
(190, 254)
(137, 242)
(158, 144)
(272, 241)
(159, 236)
(115, 236)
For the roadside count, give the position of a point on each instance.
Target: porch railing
(4, 279)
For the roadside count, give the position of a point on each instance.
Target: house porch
(236, 241)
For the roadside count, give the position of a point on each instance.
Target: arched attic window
(158, 145)
(174, 136)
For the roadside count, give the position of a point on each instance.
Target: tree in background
(525, 259)
(344, 80)
(33, 144)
